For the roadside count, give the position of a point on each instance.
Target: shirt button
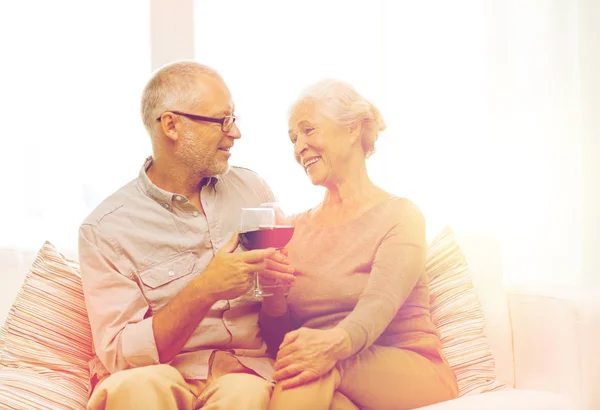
(171, 273)
(167, 206)
(178, 198)
(196, 213)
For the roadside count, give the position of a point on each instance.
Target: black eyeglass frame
(195, 117)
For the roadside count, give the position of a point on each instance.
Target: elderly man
(162, 282)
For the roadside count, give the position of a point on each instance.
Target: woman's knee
(341, 402)
(246, 389)
(315, 395)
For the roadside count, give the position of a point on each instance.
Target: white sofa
(542, 341)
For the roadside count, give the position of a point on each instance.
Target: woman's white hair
(341, 102)
(169, 89)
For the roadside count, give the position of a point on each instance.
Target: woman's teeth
(311, 161)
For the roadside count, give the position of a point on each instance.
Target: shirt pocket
(163, 280)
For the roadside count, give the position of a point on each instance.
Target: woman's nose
(299, 147)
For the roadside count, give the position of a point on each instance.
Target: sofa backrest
(484, 259)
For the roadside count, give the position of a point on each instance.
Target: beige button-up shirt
(140, 247)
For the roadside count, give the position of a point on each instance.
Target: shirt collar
(161, 196)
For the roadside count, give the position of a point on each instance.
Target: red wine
(272, 237)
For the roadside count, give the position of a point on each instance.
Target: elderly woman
(360, 304)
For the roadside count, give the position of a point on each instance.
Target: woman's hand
(278, 270)
(276, 304)
(307, 354)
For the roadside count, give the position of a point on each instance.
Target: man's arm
(228, 276)
(123, 336)
(174, 324)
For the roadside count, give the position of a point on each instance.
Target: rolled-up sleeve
(122, 334)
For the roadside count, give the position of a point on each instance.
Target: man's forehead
(214, 96)
(229, 110)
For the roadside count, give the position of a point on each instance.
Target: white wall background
(589, 66)
(493, 109)
(70, 78)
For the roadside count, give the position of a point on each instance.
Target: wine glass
(281, 217)
(262, 228)
(283, 231)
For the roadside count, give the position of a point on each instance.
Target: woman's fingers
(270, 269)
(284, 355)
(287, 372)
(285, 360)
(287, 347)
(256, 255)
(278, 266)
(280, 256)
(279, 263)
(304, 377)
(290, 337)
(277, 275)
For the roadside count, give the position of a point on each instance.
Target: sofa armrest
(554, 331)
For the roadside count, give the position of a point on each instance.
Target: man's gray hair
(169, 89)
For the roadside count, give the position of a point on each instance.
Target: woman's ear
(356, 131)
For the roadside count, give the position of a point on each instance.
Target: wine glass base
(256, 295)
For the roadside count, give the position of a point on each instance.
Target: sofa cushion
(484, 255)
(47, 336)
(457, 313)
(507, 399)
(28, 389)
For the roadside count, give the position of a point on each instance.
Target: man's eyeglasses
(226, 122)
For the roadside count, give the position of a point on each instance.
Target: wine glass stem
(258, 290)
(257, 287)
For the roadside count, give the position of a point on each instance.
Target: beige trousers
(380, 378)
(230, 386)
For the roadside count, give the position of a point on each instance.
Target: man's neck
(172, 179)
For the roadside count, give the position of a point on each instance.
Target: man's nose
(234, 132)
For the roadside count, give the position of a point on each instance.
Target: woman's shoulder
(400, 208)
(387, 210)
